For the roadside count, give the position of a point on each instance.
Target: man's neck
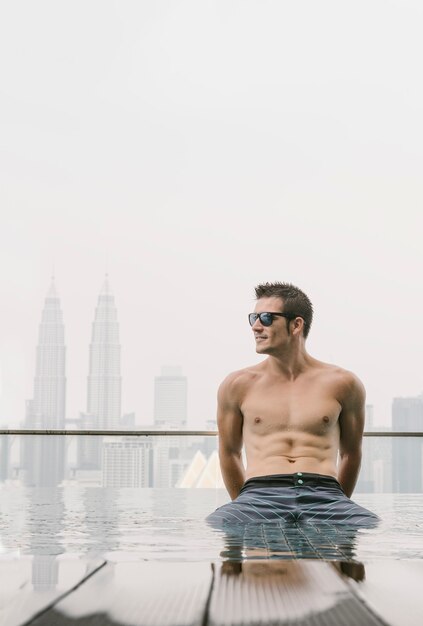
(289, 365)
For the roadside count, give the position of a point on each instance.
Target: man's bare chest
(298, 407)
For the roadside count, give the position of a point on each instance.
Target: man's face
(270, 339)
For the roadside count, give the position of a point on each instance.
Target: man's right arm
(229, 423)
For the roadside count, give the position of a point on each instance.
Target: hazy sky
(194, 149)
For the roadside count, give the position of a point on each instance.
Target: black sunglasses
(267, 318)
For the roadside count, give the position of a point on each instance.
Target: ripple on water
(168, 524)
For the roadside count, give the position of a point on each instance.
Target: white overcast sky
(194, 149)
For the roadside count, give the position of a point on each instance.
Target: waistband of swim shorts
(298, 479)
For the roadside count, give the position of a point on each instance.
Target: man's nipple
(257, 420)
(325, 419)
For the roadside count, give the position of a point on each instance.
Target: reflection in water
(169, 524)
(289, 541)
(291, 570)
(101, 520)
(45, 526)
(43, 459)
(288, 592)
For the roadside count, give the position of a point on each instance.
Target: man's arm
(229, 423)
(351, 423)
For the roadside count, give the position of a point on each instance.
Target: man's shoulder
(238, 380)
(336, 372)
(344, 381)
(347, 384)
(246, 374)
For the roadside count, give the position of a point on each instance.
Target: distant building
(169, 459)
(104, 380)
(202, 473)
(128, 421)
(193, 471)
(44, 457)
(170, 413)
(407, 415)
(173, 455)
(127, 462)
(4, 457)
(376, 465)
(170, 398)
(210, 442)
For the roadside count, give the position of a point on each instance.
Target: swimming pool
(168, 525)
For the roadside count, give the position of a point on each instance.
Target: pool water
(168, 525)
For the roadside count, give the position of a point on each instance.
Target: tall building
(4, 457)
(127, 462)
(170, 397)
(407, 469)
(104, 379)
(376, 465)
(44, 461)
(170, 413)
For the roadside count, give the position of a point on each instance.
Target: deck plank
(254, 592)
(300, 593)
(29, 585)
(393, 588)
(137, 593)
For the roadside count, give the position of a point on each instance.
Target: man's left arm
(351, 422)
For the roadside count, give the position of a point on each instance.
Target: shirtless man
(300, 420)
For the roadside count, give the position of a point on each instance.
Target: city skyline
(106, 294)
(128, 461)
(94, 461)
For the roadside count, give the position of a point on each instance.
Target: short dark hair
(294, 300)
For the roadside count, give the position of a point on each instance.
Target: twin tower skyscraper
(44, 457)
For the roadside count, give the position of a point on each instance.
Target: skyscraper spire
(105, 290)
(52, 291)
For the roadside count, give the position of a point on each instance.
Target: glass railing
(141, 458)
(121, 458)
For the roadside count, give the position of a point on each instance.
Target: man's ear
(298, 325)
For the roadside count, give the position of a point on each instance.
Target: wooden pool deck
(251, 593)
